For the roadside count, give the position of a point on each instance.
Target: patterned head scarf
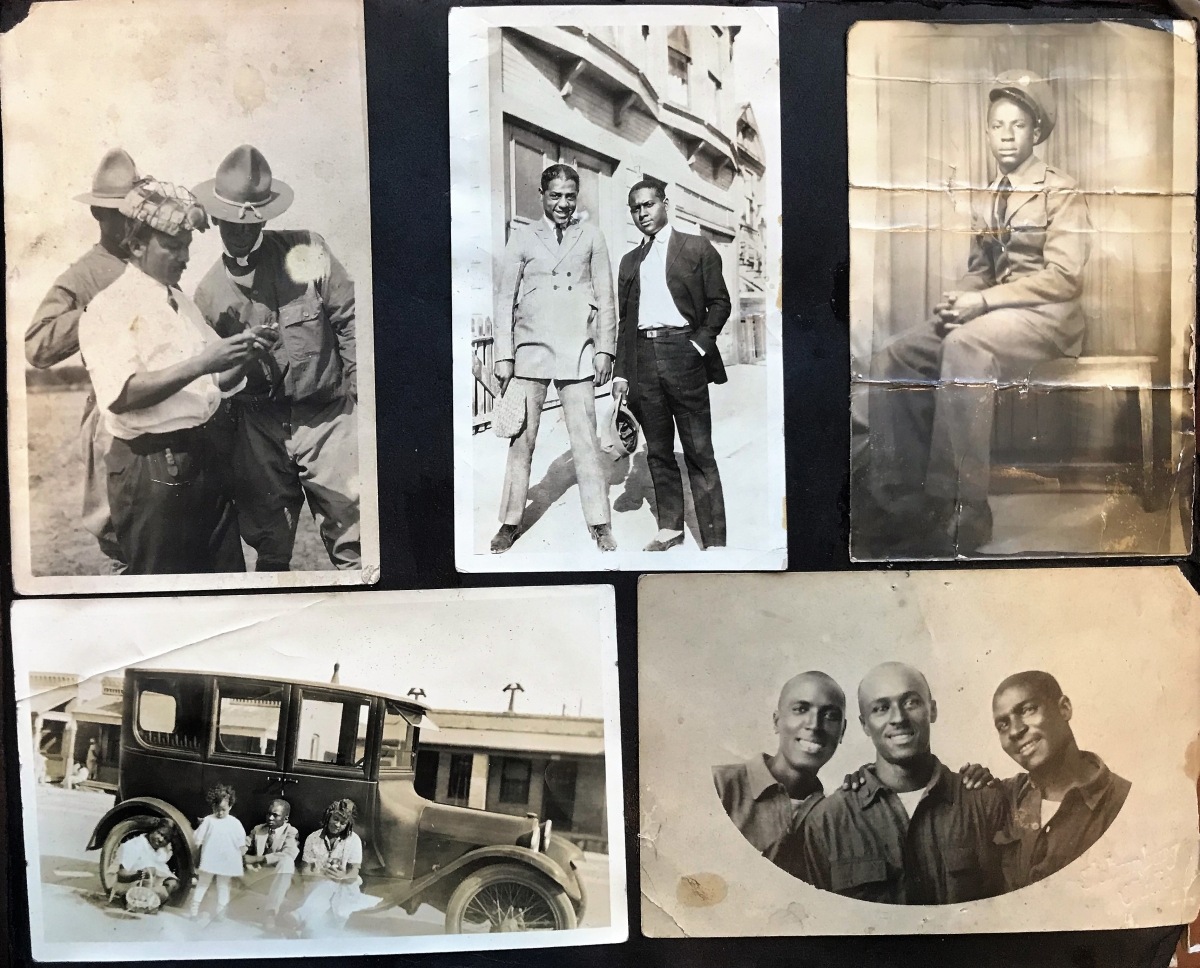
(343, 810)
(170, 209)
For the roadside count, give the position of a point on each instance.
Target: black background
(406, 45)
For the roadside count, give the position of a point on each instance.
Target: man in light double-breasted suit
(555, 320)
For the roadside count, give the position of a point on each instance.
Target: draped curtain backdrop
(1114, 136)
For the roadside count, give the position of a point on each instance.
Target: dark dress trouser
(170, 511)
(673, 393)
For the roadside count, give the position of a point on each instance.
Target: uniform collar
(1091, 792)
(872, 789)
(1029, 176)
(760, 779)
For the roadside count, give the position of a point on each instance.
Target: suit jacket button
(556, 287)
(568, 273)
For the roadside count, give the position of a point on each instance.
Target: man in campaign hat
(932, 397)
(297, 434)
(160, 375)
(53, 336)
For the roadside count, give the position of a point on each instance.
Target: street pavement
(554, 518)
(75, 907)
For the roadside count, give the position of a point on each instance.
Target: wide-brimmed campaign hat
(244, 189)
(114, 179)
(1033, 93)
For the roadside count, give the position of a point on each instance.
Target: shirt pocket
(302, 324)
(862, 877)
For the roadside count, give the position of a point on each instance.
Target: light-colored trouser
(280, 875)
(579, 409)
(932, 402)
(95, 442)
(287, 452)
(202, 881)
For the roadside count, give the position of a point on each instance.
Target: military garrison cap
(1033, 93)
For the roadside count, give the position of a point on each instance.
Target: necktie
(1002, 191)
(558, 230)
(171, 301)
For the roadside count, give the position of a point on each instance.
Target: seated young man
(148, 855)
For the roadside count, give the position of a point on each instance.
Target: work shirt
(299, 287)
(657, 306)
(132, 328)
(759, 805)
(53, 336)
(1031, 850)
(862, 844)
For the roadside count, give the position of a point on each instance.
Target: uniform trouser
(579, 409)
(284, 453)
(169, 511)
(95, 442)
(672, 393)
(280, 876)
(932, 403)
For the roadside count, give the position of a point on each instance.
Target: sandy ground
(75, 908)
(553, 516)
(59, 544)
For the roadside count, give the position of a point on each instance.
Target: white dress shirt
(131, 328)
(657, 308)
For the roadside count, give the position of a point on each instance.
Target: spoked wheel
(508, 897)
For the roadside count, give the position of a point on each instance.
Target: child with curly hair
(222, 841)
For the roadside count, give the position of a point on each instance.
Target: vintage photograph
(1023, 226)
(187, 232)
(616, 250)
(925, 753)
(315, 775)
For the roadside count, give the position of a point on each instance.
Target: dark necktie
(1002, 191)
(558, 230)
(171, 301)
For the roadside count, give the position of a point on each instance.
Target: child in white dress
(222, 841)
(333, 854)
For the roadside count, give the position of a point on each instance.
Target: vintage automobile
(312, 743)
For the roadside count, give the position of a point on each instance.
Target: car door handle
(283, 780)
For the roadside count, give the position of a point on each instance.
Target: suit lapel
(544, 233)
(1036, 177)
(571, 236)
(674, 244)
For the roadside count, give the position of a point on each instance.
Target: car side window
(170, 713)
(248, 717)
(333, 731)
(396, 752)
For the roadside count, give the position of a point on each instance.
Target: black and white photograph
(1023, 230)
(282, 776)
(187, 234)
(616, 239)
(932, 752)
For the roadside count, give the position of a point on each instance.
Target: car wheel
(508, 897)
(125, 830)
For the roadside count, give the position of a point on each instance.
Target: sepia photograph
(285, 776)
(615, 196)
(187, 234)
(934, 752)
(1022, 326)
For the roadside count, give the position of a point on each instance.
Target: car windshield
(399, 727)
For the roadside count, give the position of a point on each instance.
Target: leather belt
(661, 331)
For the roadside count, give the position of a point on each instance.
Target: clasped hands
(957, 309)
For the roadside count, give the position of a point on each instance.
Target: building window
(514, 781)
(558, 794)
(458, 791)
(425, 779)
(679, 63)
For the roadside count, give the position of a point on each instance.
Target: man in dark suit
(673, 302)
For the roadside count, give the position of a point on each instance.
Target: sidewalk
(554, 518)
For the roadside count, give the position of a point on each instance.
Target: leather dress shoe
(604, 536)
(505, 537)
(667, 545)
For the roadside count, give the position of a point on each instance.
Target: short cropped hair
(565, 172)
(1042, 683)
(659, 188)
(287, 807)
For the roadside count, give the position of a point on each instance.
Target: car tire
(125, 829)
(508, 897)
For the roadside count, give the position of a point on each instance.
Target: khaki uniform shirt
(759, 805)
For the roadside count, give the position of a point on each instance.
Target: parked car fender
(520, 855)
(142, 806)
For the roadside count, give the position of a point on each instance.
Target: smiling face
(1034, 730)
(335, 825)
(1012, 133)
(648, 210)
(559, 199)
(162, 257)
(896, 712)
(239, 237)
(810, 721)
